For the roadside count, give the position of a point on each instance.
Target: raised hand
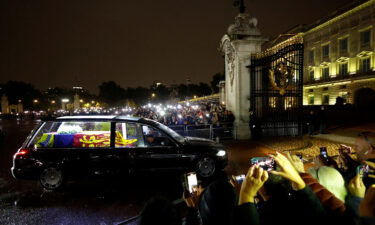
(288, 171)
(253, 181)
(356, 187)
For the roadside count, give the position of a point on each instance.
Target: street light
(153, 95)
(64, 100)
(53, 102)
(36, 101)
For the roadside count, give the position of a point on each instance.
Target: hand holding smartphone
(191, 182)
(266, 163)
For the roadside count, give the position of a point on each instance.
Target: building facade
(339, 56)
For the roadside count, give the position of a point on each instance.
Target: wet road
(98, 201)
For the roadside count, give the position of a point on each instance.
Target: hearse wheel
(51, 178)
(206, 167)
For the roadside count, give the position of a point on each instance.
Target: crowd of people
(332, 191)
(187, 114)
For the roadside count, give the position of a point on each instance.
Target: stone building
(339, 56)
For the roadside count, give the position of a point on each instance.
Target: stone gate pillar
(241, 41)
(4, 105)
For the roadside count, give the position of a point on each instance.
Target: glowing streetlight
(153, 95)
(53, 102)
(81, 100)
(36, 101)
(65, 100)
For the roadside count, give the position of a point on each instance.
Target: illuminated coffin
(91, 140)
(83, 140)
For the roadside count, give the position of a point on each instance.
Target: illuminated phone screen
(192, 181)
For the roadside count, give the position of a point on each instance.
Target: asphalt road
(98, 201)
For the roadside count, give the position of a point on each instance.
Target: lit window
(325, 73)
(343, 69)
(364, 65)
(311, 100)
(311, 75)
(325, 99)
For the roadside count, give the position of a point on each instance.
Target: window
(325, 99)
(311, 56)
(325, 51)
(311, 75)
(343, 45)
(343, 69)
(325, 73)
(344, 96)
(128, 135)
(73, 134)
(364, 65)
(154, 137)
(366, 38)
(311, 100)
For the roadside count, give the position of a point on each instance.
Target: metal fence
(209, 131)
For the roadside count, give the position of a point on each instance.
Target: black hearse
(73, 146)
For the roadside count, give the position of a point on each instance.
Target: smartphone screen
(267, 163)
(323, 152)
(192, 181)
(363, 170)
(240, 178)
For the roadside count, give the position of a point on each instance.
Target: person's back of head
(159, 210)
(218, 202)
(331, 179)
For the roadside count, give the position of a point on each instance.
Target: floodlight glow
(64, 100)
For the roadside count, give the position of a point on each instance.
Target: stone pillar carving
(241, 41)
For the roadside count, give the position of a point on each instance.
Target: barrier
(209, 131)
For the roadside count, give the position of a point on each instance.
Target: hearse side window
(154, 138)
(73, 134)
(128, 135)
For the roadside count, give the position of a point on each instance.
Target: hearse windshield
(171, 132)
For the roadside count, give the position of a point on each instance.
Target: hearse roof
(99, 117)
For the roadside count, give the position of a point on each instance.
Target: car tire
(206, 167)
(51, 178)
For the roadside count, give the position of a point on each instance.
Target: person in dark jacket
(214, 205)
(305, 207)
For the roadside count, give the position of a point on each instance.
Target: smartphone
(267, 163)
(363, 170)
(323, 152)
(191, 181)
(240, 178)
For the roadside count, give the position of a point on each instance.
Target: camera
(266, 163)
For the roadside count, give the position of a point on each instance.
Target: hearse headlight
(221, 153)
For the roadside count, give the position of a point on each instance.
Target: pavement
(348, 135)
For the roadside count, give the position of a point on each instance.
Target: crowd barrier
(209, 131)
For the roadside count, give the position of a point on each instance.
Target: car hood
(195, 141)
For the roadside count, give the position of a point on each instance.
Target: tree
(215, 82)
(111, 93)
(26, 93)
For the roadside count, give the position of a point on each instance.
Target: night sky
(85, 42)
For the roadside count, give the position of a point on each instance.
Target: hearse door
(103, 158)
(157, 152)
